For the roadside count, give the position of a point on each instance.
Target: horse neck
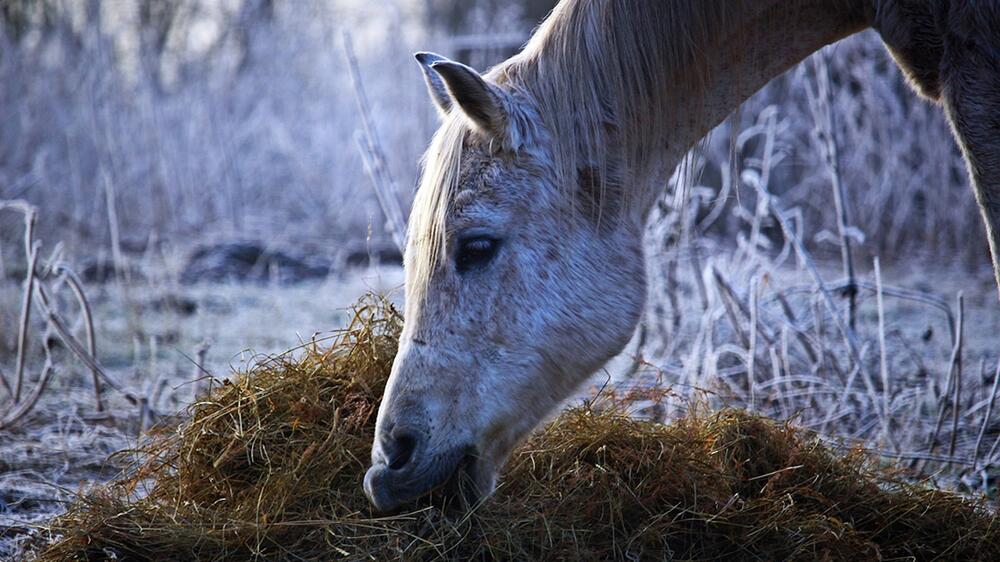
(697, 61)
(758, 41)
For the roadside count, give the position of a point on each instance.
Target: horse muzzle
(405, 469)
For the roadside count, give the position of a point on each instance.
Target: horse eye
(475, 252)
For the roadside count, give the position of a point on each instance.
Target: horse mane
(601, 75)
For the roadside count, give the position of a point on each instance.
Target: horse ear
(435, 85)
(478, 100)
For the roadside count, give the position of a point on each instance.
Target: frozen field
(64, 444)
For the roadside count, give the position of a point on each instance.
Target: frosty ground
(64, 445)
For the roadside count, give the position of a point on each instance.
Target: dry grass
(270, 467)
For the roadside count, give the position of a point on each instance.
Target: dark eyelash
(475, 252)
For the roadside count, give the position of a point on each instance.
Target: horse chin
(472, 481)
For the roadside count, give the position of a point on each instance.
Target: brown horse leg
(971, 97)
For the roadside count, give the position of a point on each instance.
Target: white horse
(524, 262)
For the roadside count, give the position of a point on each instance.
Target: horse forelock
(428, 217)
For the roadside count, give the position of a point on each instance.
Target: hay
(270, 467)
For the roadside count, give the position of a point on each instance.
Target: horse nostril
(400, 449)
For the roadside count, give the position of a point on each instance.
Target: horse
(524, 269)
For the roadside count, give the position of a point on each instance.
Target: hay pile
(270, 467)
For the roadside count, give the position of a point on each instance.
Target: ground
(151, 344)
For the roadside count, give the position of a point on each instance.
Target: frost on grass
(270, 466)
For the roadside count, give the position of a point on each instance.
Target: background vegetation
(805, 262)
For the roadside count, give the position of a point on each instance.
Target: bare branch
(822, 109)
(883, 353)
(25, 406)
(5, 385)
(986, 419)
(806, 259)
(956, 355)
(31, 251)
(77, 287)
(74, 345)
(373, 155)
